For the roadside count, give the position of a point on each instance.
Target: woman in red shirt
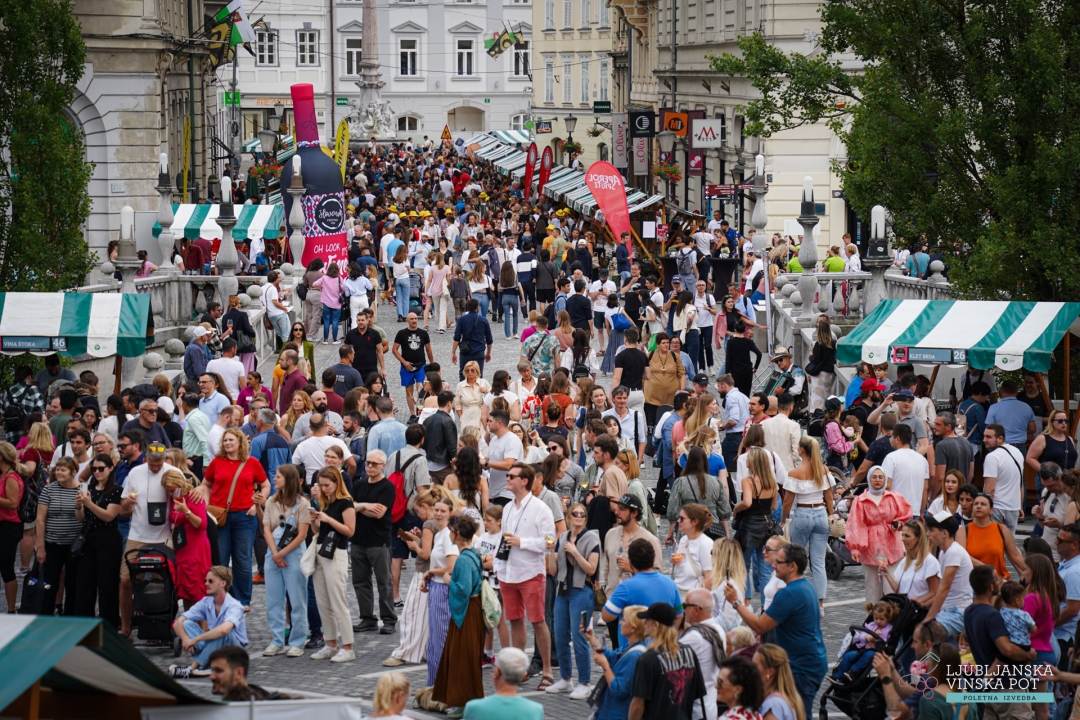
(234, 466)
(11, 528)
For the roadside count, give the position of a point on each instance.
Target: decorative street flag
(545, 170)
(242, 32)
(502, 43)
(607, 188)
(695, 161)
(530, 166)
(341, 146)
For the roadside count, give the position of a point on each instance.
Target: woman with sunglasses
(873, 531)
(304, 347)
(1053, 445)
(576, 564)
(989, 542)
(98, 584)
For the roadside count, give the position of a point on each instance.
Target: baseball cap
(872, 384)
(200, 331)
(631, 501)
(661, 612)
(833, 404)
(676, 279)
(701, 379)
(582, 242)
(906, 395)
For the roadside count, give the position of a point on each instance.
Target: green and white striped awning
(513, 137)
(1005, 335)
(78, 656)
(255, 145)
(96, 324)
(200, 221)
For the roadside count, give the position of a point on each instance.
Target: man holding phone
(370, 546)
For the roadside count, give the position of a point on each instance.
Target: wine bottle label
(324, 214)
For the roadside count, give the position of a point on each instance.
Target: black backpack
(15, 413)
(32, 486)
(551, 315)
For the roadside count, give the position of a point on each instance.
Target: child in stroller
(859, 657)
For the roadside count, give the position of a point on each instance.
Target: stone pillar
(296, 216)
(875, 288)
(166, 241)
(808, 257)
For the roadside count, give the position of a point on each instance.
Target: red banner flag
(530, 166)
(607, 188)
(546, 161)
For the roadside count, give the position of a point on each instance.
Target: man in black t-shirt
(367, 346)
(630, 367)
(629, 292)
(666, 685)
(410, 345)
(370, 546)
(879, 448)
(580, 309)
(347, 376)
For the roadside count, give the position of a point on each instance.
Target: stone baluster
(227, 257)
(166, 241)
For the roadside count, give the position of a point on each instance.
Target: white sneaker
(294, 651)
(561, 686)
(343, 656)
(324, 653)
(272, 650)
(600, 622)
(581, 692)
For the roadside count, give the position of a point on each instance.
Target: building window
(266, 48)
(464, 57)
(549, 81)
(522, 65)
(517, 122)
(567, 81)
(408, 123)
(549, 14)
(602, 151)
(352, 56)
(307, 48)
(605, 14)
(408, 48)
(584, 82)
(605, 81)
(568, 13)
(586, 14)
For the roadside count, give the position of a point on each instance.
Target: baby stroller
(863, 697)
(416, 292)
(837, 555)
(152, 569)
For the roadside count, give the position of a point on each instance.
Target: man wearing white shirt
(907, 472)
(230, 416)
(1003, 478)
(782, 434)
(631, 422)
(527, 526)
(756, 267)
(598, 292)
(703, 635)
(230, 369)
(716, 222)
(311, 453)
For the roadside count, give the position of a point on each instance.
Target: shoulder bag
(221, 514)
(714, 531)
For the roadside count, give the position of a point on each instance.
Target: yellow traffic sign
(446, 133)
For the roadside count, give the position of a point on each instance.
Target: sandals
(546, 681)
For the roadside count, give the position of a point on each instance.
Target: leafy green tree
(44, 200)
(964, 122)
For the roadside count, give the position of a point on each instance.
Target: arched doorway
(465, 119)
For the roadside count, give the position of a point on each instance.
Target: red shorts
(524, 599)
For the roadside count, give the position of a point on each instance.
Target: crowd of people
(518, 501)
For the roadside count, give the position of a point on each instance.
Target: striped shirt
(61, 527)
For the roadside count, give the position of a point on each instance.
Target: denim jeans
(807, 685)
(693, 344)
(235, 543)
(204, 648)
(281, 325)
(485, 302)
(314, 620)
(331, 317)
(568, 609)
(810, 529)
(510, 304)
(281, 582)
(762, 571)
(402, 286)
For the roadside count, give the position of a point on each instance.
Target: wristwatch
(886, 680)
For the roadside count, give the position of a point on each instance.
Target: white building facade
(433, 59)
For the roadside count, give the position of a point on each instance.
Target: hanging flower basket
(595, 131)
(265, 172)
(669, 171)
(571, 147)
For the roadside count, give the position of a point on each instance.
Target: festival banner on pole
(619, 141)
(530, 167)
(341, 146)
(546, 161)
(606, 185)
(695, 156)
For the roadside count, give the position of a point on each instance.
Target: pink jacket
(868, 527)
(331, 287)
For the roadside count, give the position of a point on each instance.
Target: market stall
(255, 223)
(95, 324)
(79, 668)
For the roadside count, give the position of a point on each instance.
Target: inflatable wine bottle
(324, 197)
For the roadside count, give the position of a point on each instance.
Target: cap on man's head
(631, 501)
(870, 384)
(905, 395)
(660, 612)
(676, 279)
(199, 332)
(701, 379)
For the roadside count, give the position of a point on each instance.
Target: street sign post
(341, 102)
(724, 193)
(232, 98)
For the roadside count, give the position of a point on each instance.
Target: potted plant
(595, 131)
(571, 147)
(669, 171)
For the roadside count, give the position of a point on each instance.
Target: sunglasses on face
(100, 468)
(370, 463)
(578, 514)
(123, 446)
